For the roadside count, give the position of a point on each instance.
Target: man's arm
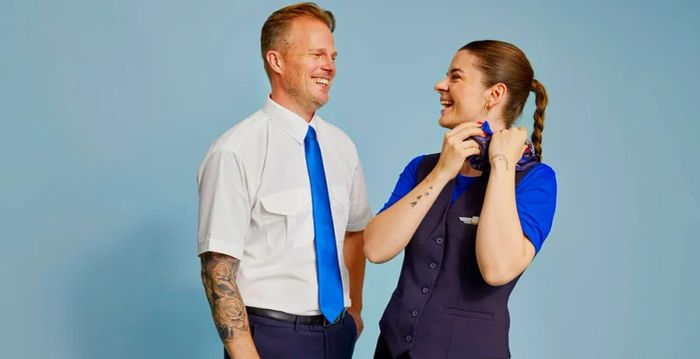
(355, 262)
(218, 276)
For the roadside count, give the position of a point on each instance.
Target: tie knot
(310, 134)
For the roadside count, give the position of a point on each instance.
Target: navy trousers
(276, 339)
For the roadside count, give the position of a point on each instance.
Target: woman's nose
(441, 85)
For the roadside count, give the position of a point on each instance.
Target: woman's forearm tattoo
(227, 308)
(500, 156)
(426, 193)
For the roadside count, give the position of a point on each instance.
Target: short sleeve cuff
(212, 245)
(534, 238)
(360, 225)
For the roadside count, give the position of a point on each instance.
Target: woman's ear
(496, 94)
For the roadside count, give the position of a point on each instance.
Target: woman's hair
(501, 62)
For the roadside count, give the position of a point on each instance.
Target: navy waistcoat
(442, 307)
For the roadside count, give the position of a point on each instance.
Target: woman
(470, 227)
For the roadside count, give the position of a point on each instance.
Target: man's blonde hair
(276, 26)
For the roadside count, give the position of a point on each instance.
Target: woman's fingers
(464, 130)
(469, 144)
(456, 147)
(509, 142)
(460, 136)
(471, 152)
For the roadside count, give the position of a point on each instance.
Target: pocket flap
(287, 202)
(467, 313)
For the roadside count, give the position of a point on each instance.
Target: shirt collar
(294, 124)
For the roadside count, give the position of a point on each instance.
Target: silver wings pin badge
(470, 220)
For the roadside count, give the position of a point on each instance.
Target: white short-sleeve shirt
(255, 205)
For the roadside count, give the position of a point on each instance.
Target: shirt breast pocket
(287, 217)
(341, 210)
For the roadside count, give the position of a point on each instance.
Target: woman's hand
(455, 149)
(387, 234)
(507, 146)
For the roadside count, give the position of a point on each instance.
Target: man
(278, 192)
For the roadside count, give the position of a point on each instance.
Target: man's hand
(357, 317)
(355, 262)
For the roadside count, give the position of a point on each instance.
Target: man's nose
(329, 64)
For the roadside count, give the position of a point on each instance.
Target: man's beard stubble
(304, 98)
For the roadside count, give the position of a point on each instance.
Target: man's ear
(275, 61)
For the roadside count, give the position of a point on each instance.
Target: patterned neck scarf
(480, 162)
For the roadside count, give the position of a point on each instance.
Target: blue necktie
(330, 287)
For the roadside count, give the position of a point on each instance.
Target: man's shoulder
(238, 142)
(241, 134)
(339, 137)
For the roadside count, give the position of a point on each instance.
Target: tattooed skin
(227, 308)
(414, 203)
(501, 157)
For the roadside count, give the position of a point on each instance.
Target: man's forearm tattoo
(426, 193)
(227, 308)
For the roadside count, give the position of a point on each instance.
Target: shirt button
(425, 290)
(433, 265)
(439, 240)
(409, 338)
(414, 313)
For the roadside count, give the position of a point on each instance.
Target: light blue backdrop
(107, 108)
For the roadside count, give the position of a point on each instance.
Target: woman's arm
(389, 232)
(502, 250)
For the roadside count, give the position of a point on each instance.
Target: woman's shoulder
(414, 163)
(429, 159)
(540, 175)
(542, 169)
